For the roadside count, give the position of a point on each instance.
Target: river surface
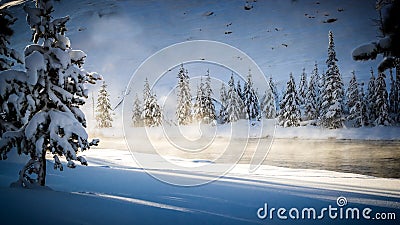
(373, 158)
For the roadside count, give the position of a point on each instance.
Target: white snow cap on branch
(77, 55)
(34, 62)
(365, 52)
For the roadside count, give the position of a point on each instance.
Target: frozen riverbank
(253, 130)
(113, 190)
(377, 158)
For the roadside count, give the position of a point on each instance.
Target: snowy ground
(266, 128)
(114, 190)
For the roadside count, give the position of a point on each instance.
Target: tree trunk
(42, 170)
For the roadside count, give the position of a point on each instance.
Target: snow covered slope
(120, 193)
(281, 36)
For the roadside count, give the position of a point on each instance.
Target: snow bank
(252, 130)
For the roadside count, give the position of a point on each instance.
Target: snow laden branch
(8, 56)
(371, 50)
(387, 46)
(40, 106)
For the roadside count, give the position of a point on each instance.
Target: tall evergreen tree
(312, 97)
(371, 98)
(303, 88)
(364, 120)
(268, 108)
(251, 103)
(146, 90)
(184, 107)
(319, 78)
(103, 108)
(210, 114)
(199, 107)
(352, 93)
(241, 102)
(354, 102)
(50, 92)
(394, 98)
(289, 115)
(137, 119)
(274, 90)
(152, 115)
(224, 100)
(381, 101)
(333, 93)
(232, 110)
(321, 86)
(156, 112)
(239, 90)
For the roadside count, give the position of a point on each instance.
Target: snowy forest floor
(114, 190)
(306, 167)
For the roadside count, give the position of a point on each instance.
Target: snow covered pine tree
(224, 100)
(268, 108)
(151, 110)
(209, 116)
(241, 102)
(137, 113)
(184, 107)
(388, 46)
(394, 108)
(46, 98)
(354, 103)
(303, 87)
(312, 97)
(371, 110)
(232, 109)
(332, 93)
(274, 90)
(363, 108)
(289, 114)
(381, 101)
(103, 110)
(251, 104)
(199, 104)
(203, 108)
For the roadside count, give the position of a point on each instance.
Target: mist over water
(372, 158)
